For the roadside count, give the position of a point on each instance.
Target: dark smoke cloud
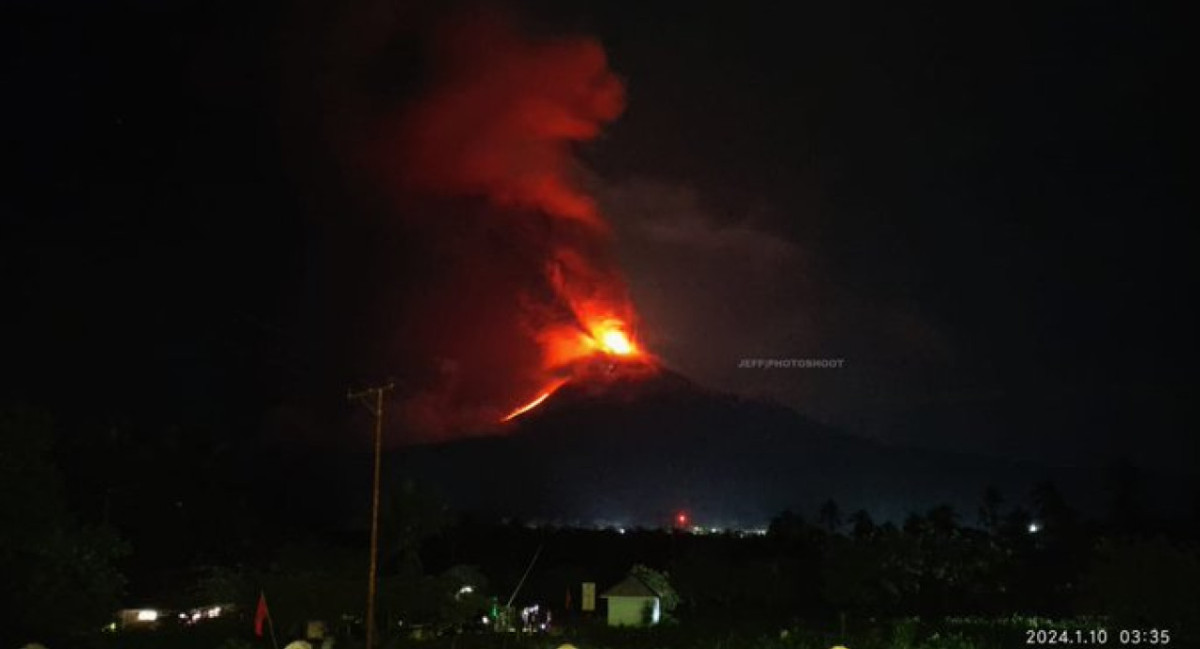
(714, 288)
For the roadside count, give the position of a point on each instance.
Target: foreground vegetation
(936, 579)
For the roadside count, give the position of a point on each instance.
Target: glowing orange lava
(533, 404)
(618, 343)
(568, 350)
(608, 336)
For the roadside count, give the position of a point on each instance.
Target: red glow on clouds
(499, 124)
(502, 122)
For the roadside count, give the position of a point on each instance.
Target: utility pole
(376, 409)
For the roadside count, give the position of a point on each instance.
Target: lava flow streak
(535, 403)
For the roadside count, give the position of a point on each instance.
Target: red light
(681, 518)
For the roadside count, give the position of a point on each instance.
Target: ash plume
(524, 281)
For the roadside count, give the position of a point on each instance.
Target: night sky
(981, 208)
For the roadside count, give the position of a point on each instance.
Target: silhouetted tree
(989, 509)
(1050, 510)
(313, 580)
(787, 527)
(943, 520)
(1060, 554)
(60, 577)
(1126, 496)
(851, 572)
(410, 515)
(1146, 584)
(1015, 527)
(830, 516)
(862, 527)
(461, 594)
(660, 583)
(915, 525)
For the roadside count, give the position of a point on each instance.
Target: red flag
(261, 614)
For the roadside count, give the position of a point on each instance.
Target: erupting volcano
(606, 340)
(500, 123)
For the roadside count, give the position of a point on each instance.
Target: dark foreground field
(909, 633)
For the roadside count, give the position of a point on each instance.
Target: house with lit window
(632, 603)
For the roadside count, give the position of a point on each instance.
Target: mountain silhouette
(634, 450)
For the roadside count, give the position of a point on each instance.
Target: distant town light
(147, 615)
(1034, 528)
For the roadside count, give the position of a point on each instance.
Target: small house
(632, 603)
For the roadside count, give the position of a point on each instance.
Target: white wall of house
(630, 611)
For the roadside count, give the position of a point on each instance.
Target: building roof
(631, 586)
